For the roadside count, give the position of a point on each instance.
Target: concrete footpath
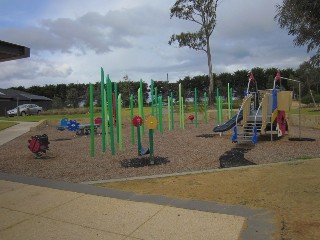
(35, 208)
(17, 130)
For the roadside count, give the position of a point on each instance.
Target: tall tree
(72, 97)
(203, 13)
(302, 19)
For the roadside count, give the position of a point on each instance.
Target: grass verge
(291, 191)
(4, 125)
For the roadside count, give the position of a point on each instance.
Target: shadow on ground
(235, 158)
(143, 161)
(208, 135)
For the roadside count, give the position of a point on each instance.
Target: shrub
(307, 99)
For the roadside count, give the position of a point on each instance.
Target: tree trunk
(211, 83)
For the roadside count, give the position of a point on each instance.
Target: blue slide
(229, 124)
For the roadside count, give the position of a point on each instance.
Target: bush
(57, 103)
(307, 99)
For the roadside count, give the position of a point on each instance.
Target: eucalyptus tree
(203, 13)
(302, 20)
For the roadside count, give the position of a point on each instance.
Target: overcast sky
(71, 39)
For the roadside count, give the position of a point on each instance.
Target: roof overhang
(10, 51)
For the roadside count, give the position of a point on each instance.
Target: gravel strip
(191, 149)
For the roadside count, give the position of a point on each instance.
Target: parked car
(25, 109)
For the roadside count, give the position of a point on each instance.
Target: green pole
(151, 144)
(139, 107)
(220, 109)
(205, 108)
(106, 118)
(180, 105)
(103, 112)
(142, 112)
(160, 115)
(172, 108)
(195, 107)
(119, 114)
(109, 90)
(169, 113)
(91, 122)
(152, 97)
(116, 103)
(131, 117)
(217, 105)
(139, 139)
(156, 101)
(229, 102)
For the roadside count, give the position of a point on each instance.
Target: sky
(70, 40)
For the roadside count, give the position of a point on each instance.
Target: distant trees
(72, 97)
(72, 94)
(57, 103)
(310, 76)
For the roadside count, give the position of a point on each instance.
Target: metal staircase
(248, 131)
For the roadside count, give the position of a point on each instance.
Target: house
(10, 98)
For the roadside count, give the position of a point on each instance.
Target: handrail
(255, 117)
(241, 108)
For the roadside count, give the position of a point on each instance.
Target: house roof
(20, 95)
(10, 51)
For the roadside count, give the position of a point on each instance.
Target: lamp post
(293, 80)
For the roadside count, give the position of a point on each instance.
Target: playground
(75, 151)
(163, 141)
(180, 150)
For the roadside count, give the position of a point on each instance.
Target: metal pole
(293, 80)
(299, 110)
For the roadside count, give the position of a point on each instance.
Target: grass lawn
(4, 125)
(72, 114)
(290, 190)
(305, 111)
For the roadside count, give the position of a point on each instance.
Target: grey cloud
(94, 31)
(29, 69)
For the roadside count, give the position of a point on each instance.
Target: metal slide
(229, 124)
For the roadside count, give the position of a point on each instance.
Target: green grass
(305, 111)
(78, 113)
(71, 114)
(4, 125)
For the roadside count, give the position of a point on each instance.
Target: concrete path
(34, 208)
(32, 212)
(11, 133)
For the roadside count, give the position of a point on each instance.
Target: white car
(25, 109)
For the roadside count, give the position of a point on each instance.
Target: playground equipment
(80, 129)
(39, 145)
(191, 117)
(219, 105)
(137, 122)
(261, 111)
(151, 123)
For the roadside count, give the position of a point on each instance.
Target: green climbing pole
(205, 108)
(160, 114)
(119, 117)
(109, 90)
(103, 111)
(131, 117)
(172, 110)
(91, 122)
(196, 107)
(141, 104)
(169, 113)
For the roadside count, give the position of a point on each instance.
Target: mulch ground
(178, 150)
